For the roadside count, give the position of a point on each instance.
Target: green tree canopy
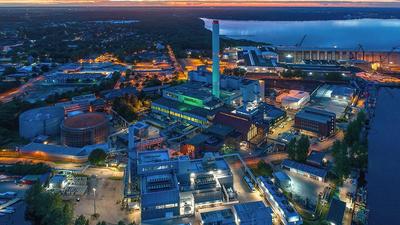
(291, 149)
(81, 220)
(46, 208)
(302, 147)
(97, 156)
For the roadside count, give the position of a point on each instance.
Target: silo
(41, 121)
(84, 129)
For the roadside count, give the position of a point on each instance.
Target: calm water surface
(373, 34)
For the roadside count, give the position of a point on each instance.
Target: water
(383, 159)
(372, 34)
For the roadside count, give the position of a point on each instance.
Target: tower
(215, 58)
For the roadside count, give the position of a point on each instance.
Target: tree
(121, 222)
(101, 223)
(334, 76)
(81, 220)
(303, 144)
(45, 208)
(45, 68)
(291, 149)
(9, 70)
(97, 156)
(342, 163)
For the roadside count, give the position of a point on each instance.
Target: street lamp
(94, 200)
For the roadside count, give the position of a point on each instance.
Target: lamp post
(94, 200)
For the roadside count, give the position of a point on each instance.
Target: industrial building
(40, 121)
(194, 103)
(82, 103)
(282, 179)
(250, 90)
(176, 187)
(336, 212)
(294, 99)
(75, 78)
(317, 121)
(210, 140)
(305, 170)
(298, 54)
(84, 129)
(145, 137)
(57, 153)
(253, 59)
(252, 213)
(247, 128)
(249, 213)
(279, 203)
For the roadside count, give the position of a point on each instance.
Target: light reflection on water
(373, 34)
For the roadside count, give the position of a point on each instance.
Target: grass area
(321, 211)
(261, 169)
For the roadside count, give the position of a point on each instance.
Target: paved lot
(305, 188)
(108, 197)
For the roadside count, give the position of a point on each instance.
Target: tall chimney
(215, 58)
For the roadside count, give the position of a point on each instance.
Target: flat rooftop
(203, 166)
(183, 107)
(314, 114)
(253, 213)
(191, 89)
(305, 168)
(159, 183)
(224, 216)
(153, 156)
(283, 204)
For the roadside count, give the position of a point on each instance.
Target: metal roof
(304, 168)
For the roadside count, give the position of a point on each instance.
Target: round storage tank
(84, 129)
(41, 121)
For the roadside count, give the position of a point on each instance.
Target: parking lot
(305, 189)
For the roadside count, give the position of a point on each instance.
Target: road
(177, 66)
(66, 166)
(326, 144)
(10, 95)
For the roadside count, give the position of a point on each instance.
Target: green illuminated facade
(180, 112)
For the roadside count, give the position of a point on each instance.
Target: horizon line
(202, 4)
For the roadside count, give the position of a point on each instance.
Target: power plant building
(84, 129)
(41, 121)
(177, 187)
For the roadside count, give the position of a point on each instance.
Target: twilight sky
(365, 3)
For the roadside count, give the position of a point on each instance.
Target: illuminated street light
(94, 201)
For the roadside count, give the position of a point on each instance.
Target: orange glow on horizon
(209, 3)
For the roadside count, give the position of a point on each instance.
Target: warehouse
(294, 99)
(305, 170)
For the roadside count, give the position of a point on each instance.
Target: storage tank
(84, 129)
(41, 121)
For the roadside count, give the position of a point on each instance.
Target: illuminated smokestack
(215, 58)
